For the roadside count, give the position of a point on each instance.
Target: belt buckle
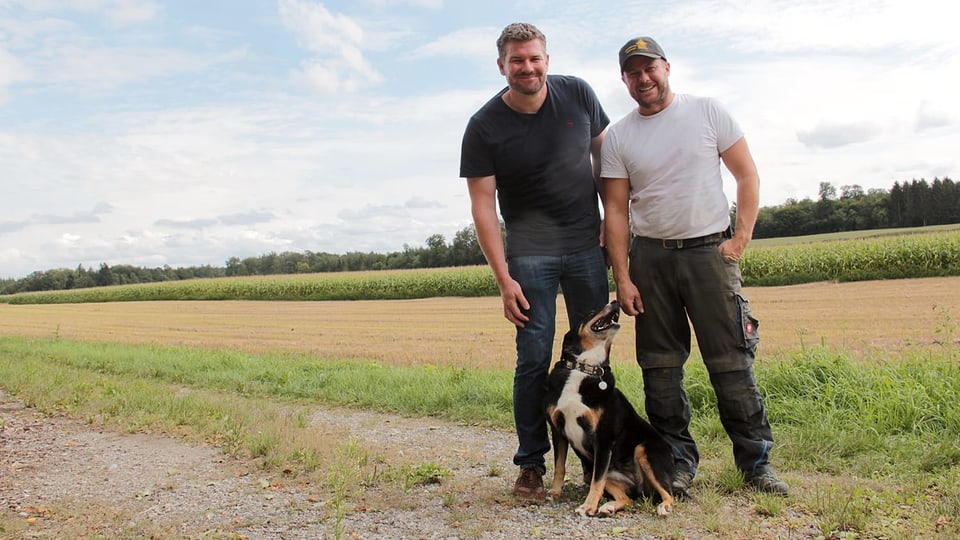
(672, 244)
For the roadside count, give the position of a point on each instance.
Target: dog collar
(595, 371)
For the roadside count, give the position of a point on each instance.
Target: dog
(622, 454)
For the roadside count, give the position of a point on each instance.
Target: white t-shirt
(672, 159)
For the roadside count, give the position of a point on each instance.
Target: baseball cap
(641, 46)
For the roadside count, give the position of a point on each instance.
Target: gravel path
(60, 478)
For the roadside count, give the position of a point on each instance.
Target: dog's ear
(571, 344)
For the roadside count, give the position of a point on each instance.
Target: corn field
(885, 257)
(372, 285)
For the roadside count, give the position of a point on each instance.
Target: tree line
(916, 203)
(463, 251)
(908, 204)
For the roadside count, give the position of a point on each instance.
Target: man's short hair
(520, 33)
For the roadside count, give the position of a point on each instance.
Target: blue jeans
(582, 277)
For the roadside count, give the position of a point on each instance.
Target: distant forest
(911, 204)
(915, 203)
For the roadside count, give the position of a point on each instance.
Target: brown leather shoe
(529, 485)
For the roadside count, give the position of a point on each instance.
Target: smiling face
(525, 64)
(647, 80)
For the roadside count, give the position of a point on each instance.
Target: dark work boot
(681, 484)
(767, 482)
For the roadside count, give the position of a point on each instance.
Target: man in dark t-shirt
(535, 149)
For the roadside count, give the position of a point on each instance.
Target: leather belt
(689, 243)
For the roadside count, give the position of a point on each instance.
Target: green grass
(454, 393)
(887, 432)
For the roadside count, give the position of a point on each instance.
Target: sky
(187, 132)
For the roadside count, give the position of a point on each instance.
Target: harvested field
(861, 318)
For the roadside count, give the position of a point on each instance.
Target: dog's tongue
(609, 321)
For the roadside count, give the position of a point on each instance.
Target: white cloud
(102, 68)
(932, 115)
(123, 12)
(478, 42)
(784, 26)
(431, 4)
(836, 135)
(120, 12)
(57, 51)
(336, 40)
(317, 28)
(12, 71)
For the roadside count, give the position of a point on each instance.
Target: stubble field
(860, 318)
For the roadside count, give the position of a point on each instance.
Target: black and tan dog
(622, 455)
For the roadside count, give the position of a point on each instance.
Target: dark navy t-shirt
(545, 187)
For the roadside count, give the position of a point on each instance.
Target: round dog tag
(603, 385)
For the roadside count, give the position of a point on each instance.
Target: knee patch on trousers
(737, 394)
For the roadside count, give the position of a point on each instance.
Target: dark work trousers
(696, 286)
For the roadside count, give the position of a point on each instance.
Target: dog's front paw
(663, 509)
(607, 509)
(556, 488)
(554, 493)
(587, 510)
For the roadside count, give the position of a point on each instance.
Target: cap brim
(638, 53)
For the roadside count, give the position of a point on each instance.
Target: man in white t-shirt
(675, 258)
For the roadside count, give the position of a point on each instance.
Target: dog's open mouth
(608, 321)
